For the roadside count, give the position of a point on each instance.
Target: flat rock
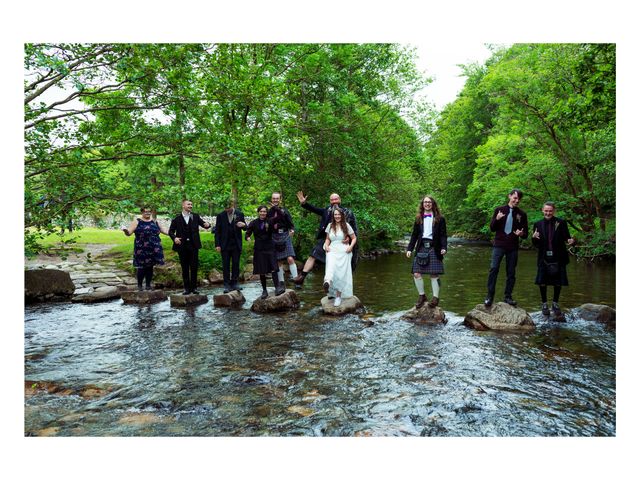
(348, 305)
(232, 299)
(426, 314)
(47, 284)
(597, 313)
(99, 294)
(287, 301)
(500, 316)
(187, 300)
(143, 298)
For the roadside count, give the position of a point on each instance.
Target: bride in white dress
(338, 280)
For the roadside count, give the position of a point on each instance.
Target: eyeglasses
(427, 201)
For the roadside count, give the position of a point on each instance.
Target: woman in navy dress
(264, 255)
(147, 248)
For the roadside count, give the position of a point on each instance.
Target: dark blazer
(179, 228)
(511, 241)
(227, 235)
(439, 234)
(559, 237)
(325, 218)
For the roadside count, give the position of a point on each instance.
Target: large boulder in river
(99, 294)
(190, 300)
(280, 303)
(348, 305)
(47, 285)
(598, 313)
(145, 297)
(500, 316)
(426, 314)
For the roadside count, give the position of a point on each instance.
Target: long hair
(434, 208)
(343, 221)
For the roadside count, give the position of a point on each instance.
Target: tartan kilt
(561, 279)
(435, 267)
(288, 249)
(318, 252)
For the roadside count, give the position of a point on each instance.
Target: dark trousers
(512, 261)
(230, 265)
(189, 264)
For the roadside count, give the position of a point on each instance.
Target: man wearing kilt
(283, 230)
(326, 215)
(549, 236)
(429, 238)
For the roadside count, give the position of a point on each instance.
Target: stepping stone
(287, 301)
(348, 305)
(500, 316)
(98, 295)
(425, 314)
(143, 298)
(598, 313)
(232, 299)
(187, 300)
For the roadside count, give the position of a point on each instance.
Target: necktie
(508, 226)
(550, 235)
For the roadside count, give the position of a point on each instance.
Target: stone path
(86, 275)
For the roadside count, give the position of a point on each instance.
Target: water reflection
(208, 371)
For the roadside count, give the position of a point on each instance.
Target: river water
(207, 371)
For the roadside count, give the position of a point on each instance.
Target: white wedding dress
(338, 266)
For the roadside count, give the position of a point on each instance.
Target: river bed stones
(348, 305)
(232, 299)
(425, 315)
(145, 297)
(500, 316)
(190, 300)
(598, 313)
(99, 294)
(287, 301)
(47, 284)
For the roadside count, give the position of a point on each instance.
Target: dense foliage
(110, 127)
(153, 124)
(540, 118)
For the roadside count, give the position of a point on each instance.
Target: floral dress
(147, 248)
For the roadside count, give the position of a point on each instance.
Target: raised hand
(536, 234)
(301, 197)
(499, 215)
(177, 240)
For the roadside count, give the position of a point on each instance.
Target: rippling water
(214, 372)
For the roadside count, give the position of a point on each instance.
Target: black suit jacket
(559, 236)
(439, 234)
(179, 228)
(229, 236)
(325, 218)
(511, 241)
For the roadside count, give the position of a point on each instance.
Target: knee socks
(435, 286)
(419, 285)
(543, 293)
(263, 281)
(293, 270)
(281, 274)
(556, 293)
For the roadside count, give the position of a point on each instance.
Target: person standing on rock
(283, 230)
(429, 238)
(510, 225)
(550, 236)
(264, 255)
(185, 233)
(228, 239)
(326, 216)
(147, 248)
(338, 277)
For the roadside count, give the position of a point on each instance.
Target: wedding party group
(336, 247)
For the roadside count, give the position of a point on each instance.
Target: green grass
(89, 235)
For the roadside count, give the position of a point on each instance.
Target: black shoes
(139, 288)
(545, 309)
(195, 292)
(488, 302)
(265, 294)
(186, 292)
(510, 301)
(421, 300)
(227, 288)
(280, 289)
(434, 302)
(299, 280)
(556, 309)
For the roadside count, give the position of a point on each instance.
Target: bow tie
(426, 215)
